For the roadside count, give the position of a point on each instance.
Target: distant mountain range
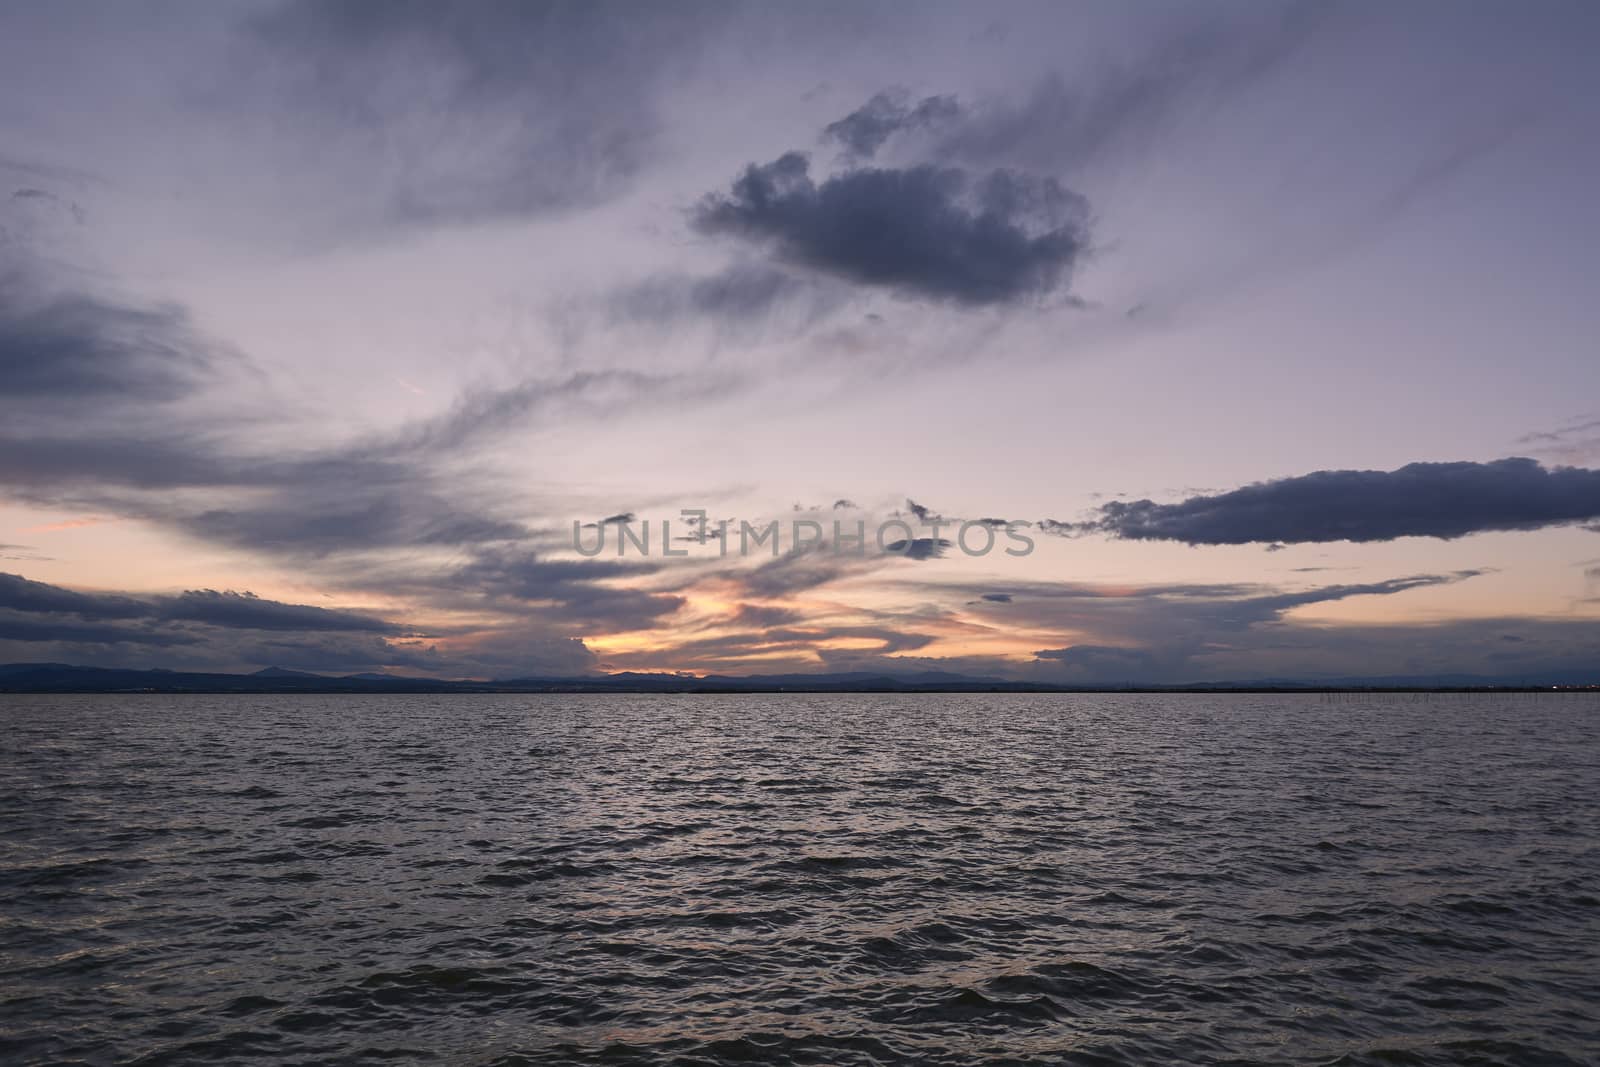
(66, 678)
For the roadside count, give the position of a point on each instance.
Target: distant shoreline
(108, 681)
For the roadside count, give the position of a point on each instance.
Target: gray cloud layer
(206, 606)
(462, 112)
(63, 349)
(1445, 500)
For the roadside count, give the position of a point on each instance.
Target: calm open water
(800, 879)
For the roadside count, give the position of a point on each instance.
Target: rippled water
(792, 879)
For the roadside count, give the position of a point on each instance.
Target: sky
(335, 336)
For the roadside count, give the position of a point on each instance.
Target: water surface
(947, 879)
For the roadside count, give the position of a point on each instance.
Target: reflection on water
(800, 879)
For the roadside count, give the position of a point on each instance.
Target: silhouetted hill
(65, 678)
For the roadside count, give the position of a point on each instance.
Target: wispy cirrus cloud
(494, 109)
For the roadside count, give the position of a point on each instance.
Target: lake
(776, 879)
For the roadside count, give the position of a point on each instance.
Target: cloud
(574, 591)
(1059, 126)
(523, 652)
(332, 653)
(1577, 441)
(923, 231)
(740, 293)
(63, 349)
(1104, 661)
(320, 518)
(33, 629)
(1538, 651)
(769, 649)
(114, 373)
(798, 570)
(23, 594)
(863, 131)
(918, 548)
(1517, 649)
(1444, 500)
(211, 630)
(471, 112)
(764, 616)
(200, 629)
(250, 611)
(207, 606)
(1163, 633)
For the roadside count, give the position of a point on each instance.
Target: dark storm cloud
(462, 112)
(1445, 500)
(922, 231)
(863, 131)
(211, 630)
(200, 629)
(205, 606)
(246, 610)
(23, 594)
